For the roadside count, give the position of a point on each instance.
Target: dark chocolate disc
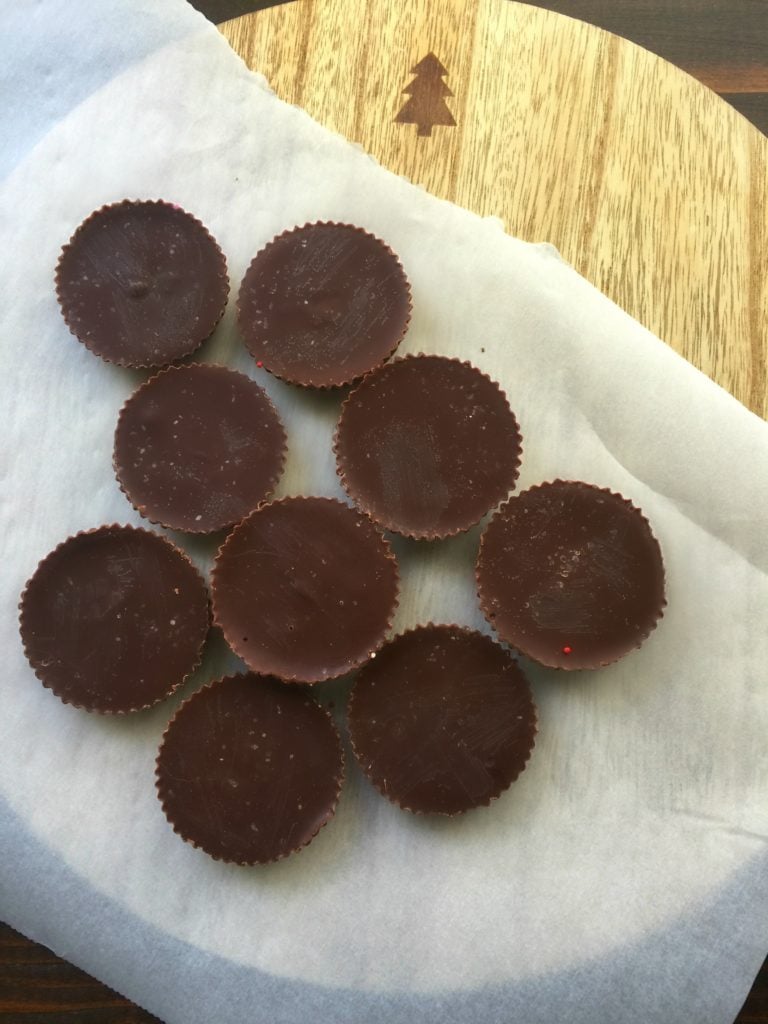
(442, 721)
(114, 619)
(198, 447)
(249, 769)
(427, 445)
(142, 283)
(304, 589)
(323, 304)
(570, 575)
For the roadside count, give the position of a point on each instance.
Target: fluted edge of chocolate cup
(534, 724)
(195, 342)
(654, 618)
(112, 527)
(428, 535)
(141, 508)
(338, 779)
(292, 678)
(310, 384)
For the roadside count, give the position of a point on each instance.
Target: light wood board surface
(646, 181)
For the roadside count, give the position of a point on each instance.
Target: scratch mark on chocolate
(212, 810)
(613, 564)
(409, 470)
(572, 608)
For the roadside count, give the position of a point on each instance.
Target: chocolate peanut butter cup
(322, 304)
(198, 447)
(442, 721)
(304, 589)
(114, 619)
(142, 283)
(571, 575)
(426, 445)
(249, 770)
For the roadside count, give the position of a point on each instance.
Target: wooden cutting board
(646, 181)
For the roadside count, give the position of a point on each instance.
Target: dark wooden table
(723, 43)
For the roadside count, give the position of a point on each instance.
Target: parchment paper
(623, 877)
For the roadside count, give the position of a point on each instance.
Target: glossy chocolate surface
(427, 445)
(304, 589)
(571, 575)
(142, 283)
(114, 620)
(198, 447)
(442, 720)
(250, 769)
(323, 304)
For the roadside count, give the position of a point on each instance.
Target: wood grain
(36, 987)
(648, 184)
(722, 43)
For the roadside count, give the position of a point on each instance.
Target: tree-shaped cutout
(427, 106)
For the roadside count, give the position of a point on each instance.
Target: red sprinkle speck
(259, 364)
(567, 649)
